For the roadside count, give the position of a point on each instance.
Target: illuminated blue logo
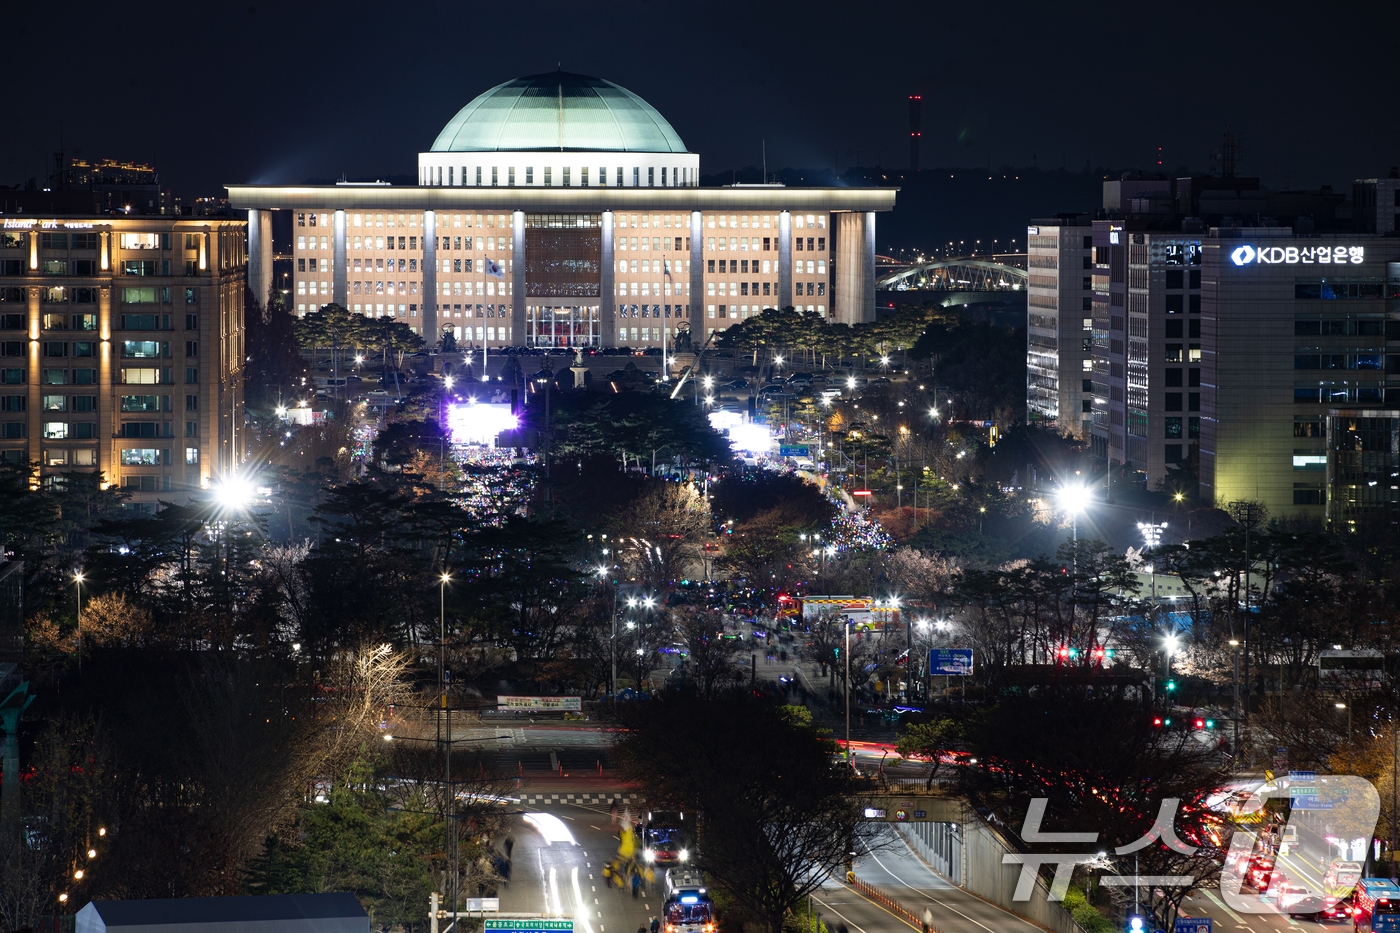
(1242, 256)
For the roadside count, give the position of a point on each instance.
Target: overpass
(958, 281)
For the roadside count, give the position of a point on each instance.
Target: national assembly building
(563, 210)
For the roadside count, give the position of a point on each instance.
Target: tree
(274, 357)
(667, 525)
(929, 741)
(1103, 766)
(712, 660)
(778, 817)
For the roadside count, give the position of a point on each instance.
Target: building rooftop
(558, 111)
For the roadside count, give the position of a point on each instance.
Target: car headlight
(650, 856)
(684, 855)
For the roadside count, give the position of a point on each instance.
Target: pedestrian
(636, 883)
(655, 925)
(509, 846)
(650, 877)
(607, 876)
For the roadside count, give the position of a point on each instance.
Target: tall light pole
(450, 888)
(1235, 646)
(846, 623)
(78, 579)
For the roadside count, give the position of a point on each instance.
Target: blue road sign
(954, 661)
(1192, 925)
(795, 451)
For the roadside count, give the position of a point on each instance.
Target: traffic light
(1171, 685)
(1063, 654)
(1210, 723)
(1200, 723)
(1135, 925)
(1157, 721)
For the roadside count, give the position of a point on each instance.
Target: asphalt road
(892, 867)
(563, 878)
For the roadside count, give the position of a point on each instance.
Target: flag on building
(493, 268)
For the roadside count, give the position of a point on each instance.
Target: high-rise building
(1293, 327)
(1227, 321)
(564, 210)
(1059, 358)
(121, 348)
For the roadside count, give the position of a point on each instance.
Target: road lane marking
(1221, 904)
(857, 926)
(599, 828)
(930, 897)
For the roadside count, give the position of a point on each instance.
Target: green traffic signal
(1171, 685)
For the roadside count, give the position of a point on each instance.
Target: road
(562, 878)
(894, 868)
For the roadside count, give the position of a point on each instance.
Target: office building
(1226, 322)
(121, 348)
(1293, 327)
(1059, 359)
(564, 210)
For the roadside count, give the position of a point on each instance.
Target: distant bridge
(955, 275)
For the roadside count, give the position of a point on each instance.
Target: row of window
(744, 311)
(620, 220)
(69, 240)
(87, 430)
(430, 175)
(378, 288)
(88, 377)
(1346, 290)
(746, 288)
(56, 321)
(1346, 361)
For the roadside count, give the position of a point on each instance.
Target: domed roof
(558, 111)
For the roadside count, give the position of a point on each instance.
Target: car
(1259, 873)
(735, 384)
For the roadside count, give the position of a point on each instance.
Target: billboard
(571, 704)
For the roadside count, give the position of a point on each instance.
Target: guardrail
(889, 903)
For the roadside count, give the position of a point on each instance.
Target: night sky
(279, 93)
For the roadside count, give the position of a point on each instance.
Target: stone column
(784, 260)
(517, 279)
(696, 299)
(867, 281)
(607, 284)
(340, 284)
(428, 305)
(853, 299)
(260, 255)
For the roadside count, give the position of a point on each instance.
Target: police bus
(688, 908)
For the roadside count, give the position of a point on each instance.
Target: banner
(571, 704)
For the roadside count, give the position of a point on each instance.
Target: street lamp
(78, 580)
(451, 842)
(1075, 499)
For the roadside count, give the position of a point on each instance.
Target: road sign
(530, 925)
(785, 451)
(1192, 925)
(482, 903)
(1302, 783)
(954, 661)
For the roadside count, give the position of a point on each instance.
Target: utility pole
(1248, 514)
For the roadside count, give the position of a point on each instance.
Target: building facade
(1146, 346)
(1293, 327)
(563, 210)
(1059, 332)
(121, 348)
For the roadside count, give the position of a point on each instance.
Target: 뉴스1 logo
(1296, 255)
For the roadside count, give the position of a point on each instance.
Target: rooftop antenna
(765, 161)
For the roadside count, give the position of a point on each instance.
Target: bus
(688, 907)
(1376, 906)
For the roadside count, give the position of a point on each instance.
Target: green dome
(559, 111)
